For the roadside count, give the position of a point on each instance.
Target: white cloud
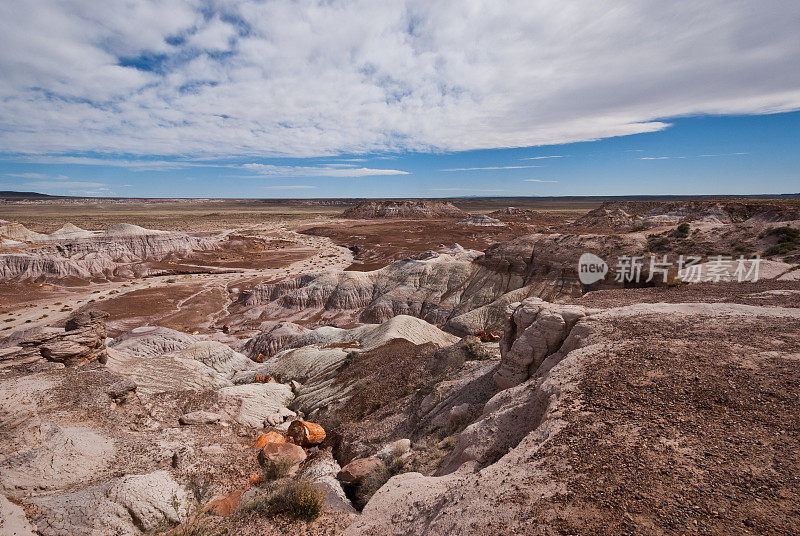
(537, 180)
(715, 155)
(543, 157)
(489, 167)
(271, 79)
(290, 187)
(27, 175)
(63, 185)
(319, 171)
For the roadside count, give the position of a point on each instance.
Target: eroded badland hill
(222, 367)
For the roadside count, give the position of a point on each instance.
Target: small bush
(201, 488)
(278, 467)
(638, 228)
(779, 249)
(297, 499)
(371, 484)
(655, 243)
(200, 526)
(682, 231)
(784, 234)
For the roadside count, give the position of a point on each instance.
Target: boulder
(306, 434)
(119, 390)
(226, 504)
(321, 469)
(356, 471)
(151, 499)
(270, 437)
(82, 341)
(253, 404)
(281, 458)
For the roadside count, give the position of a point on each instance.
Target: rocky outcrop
(130, 505)
(534, 330)
(217, 356)
(433, 287)
(438, 287)
(73, 252)
(321, 470)
(611, 389)
(625, 215)
(410, 210)
(481, 220)
(82, 341)
(257, 405)
(365, 337)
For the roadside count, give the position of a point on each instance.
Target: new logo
(591, 268)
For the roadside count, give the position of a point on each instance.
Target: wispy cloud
(290, 187)
(537, 180)
(134, 164)
(685, 157)
(465, 190)
(318, 171)
(64, 185)
(489, 168)
(724, 154)
(544, 157)
(27, 175)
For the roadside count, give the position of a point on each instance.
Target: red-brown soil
(682, 431)
(180, 307)
(252, 253)
(765, 292)
(382, 242)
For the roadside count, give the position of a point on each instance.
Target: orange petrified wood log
(306, 434)
(270, 437)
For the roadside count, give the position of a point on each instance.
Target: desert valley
(204, 367)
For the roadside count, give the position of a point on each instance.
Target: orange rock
(254, 478)
(306, 434)
(225, 505)
(260, 378)
(270, 437)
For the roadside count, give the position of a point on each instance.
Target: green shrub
(784, 234)
(278, 467)
(682, 231)
(779, 249)
(296, 499)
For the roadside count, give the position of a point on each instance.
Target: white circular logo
(591, 268)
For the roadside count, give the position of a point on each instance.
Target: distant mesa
(513, 214)
(409, 210)
(13, 194)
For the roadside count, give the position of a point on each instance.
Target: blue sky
(698, 155)
(360, 98)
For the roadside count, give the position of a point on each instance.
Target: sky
(226, 98)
